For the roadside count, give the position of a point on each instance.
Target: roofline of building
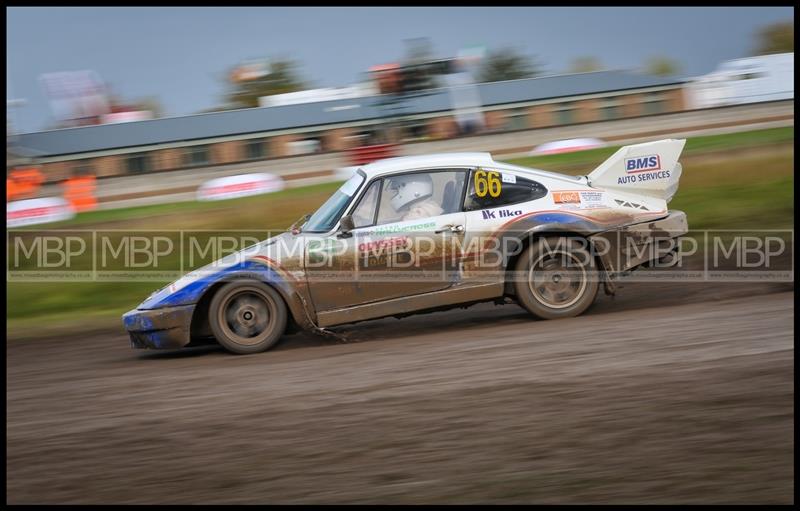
(316, 127)
(677, 81)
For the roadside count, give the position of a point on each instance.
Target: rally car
(422, 233)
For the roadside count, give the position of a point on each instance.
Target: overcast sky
(180, 55)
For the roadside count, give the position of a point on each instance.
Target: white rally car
(412, 234)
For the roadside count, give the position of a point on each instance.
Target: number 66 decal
(487, 182)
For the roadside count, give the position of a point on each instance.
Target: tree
(776, 38)
(506, 64)
(585, 65)
(147, 104)
(281, 77)
(662, 66)
(418, 50)
(151, 104)
(417, 72)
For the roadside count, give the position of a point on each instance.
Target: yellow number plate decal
(488, 183)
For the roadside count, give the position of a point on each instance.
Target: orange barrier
(79, 191)
(23, 183)
(369, 153)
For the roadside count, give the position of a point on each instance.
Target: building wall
(278, 145)
(677, 99)
(57, 171)
(108, 166)
(540, 116)
(494, 119)
(587, 110)
(228, 152)
(166, 159)
(442, 127)
(631, 105)
(341, 139)
(336, 139)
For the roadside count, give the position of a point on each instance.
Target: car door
(494, 200)
(392, 252)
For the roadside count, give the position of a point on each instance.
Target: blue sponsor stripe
(192, 292)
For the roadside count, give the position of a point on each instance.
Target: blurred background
(126, 119)
(171, 117)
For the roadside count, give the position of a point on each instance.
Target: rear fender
(516, 237)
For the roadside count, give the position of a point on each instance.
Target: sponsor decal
(487, 183)
(592, 199)
(394, 228)
(642, 164)
(566, 197)
(509, 178)
(385, 252)
(388, 243)
(503, 213)
(639, 178)
(578, 199)
(627, 204)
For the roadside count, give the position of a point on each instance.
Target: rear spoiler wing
(650, 169)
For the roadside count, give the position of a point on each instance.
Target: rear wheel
(247, 317)
(556, 277)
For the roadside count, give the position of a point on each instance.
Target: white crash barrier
(567, 146)
(38, 211)
(243, 185)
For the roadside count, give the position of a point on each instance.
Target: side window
(492, 188)
(418, 195)
(364, 214)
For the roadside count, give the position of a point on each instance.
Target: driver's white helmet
(410, 188)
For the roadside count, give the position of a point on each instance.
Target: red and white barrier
(567, 146)
(38, 211)
(244, 185)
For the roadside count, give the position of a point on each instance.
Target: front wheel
(247, 317)
(556, 277)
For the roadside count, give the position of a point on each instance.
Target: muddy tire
(556, 277)
(247, 317)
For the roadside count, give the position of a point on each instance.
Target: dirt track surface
(665, 394)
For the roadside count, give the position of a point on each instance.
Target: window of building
(415, 131)
(310, 143)
(83, 168)
(516, 119)
(138, 163)
(654, 103)
(491, 189)
(196, 155)
(564, 113)
(255, 149)
(610, 109)
(364, 137)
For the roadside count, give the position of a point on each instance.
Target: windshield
(328, 214)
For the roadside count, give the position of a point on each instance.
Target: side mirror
(346, 225)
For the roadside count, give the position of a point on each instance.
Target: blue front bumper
(164, 328)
